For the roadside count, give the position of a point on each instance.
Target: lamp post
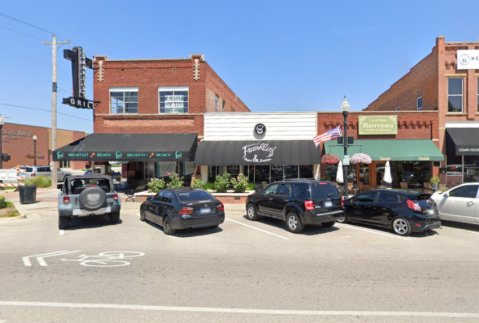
(2, 120)
(345, 108)
(34, 150)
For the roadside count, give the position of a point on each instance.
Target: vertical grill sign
(79, 64)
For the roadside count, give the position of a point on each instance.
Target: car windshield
(321, 191)
(194, 196)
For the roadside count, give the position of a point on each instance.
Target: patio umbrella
(339, 174)
(387, 174)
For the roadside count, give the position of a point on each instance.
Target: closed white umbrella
(387, 174)
(339, 174)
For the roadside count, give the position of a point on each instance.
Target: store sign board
(468, 59)
(188, 168)
(165, 169)
(378, 125)
(111, 156)
(469, 151)
(258, 153)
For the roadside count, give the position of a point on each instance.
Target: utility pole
(54, 104)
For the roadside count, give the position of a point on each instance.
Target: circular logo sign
(260, 129)
(464, 59)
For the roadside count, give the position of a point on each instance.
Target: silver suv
(32, 171)
(87, 195)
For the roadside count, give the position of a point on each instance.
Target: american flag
(329, 135)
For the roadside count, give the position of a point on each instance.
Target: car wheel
(114, 217)
(63, 222)
(251, 212)
(328, 224)
(342, 219)
(294, 222)
(402, 227)
(167, 226)
(142, 214)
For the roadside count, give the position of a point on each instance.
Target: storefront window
(306, 171)
(330, 172)
(364, 174)
(262, 174)
(291, 171)
(173, 99)
(123, 100)
(415, 173)
(454, 95)
(471, 169)
(233, 170)
(276, 173)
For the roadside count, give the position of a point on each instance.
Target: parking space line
(463, 230)
(249, 226)
(371, 231)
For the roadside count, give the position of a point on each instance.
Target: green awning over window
(394, 150)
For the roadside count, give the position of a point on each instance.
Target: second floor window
(224, 106)
(419, 103)
(477, 95)
(173, 99)
(454, 95)
(123, 100)
(216, 103)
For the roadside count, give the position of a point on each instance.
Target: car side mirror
(446, 195)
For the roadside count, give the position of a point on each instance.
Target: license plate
(328, 204)
(204, 210)
(430, 212)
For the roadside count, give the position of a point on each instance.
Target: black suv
(298, 202)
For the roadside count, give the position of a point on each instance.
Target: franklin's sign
(258, 153)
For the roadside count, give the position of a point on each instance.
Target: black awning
(462, 141)
(131, 147)
(270, 152)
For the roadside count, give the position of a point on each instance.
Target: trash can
(28, 194)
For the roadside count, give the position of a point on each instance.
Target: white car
(460, 203)
(32, 171)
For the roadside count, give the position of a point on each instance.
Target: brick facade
(148, 75)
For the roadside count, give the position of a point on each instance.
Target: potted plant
(329, 159)
(434, 181)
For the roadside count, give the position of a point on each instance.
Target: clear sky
(275, 55)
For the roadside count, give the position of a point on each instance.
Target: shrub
(2, 202)
(39, 181)
(175, 181)
(155, 185)
(222, 182)
(326, 177)
(11, 214)
(239, 183)
(329, 159)
(209, 186)
(435, 180)
(250, 186)
(197, 183)
(444, 189)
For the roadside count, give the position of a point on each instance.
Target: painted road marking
(107, 259)
(249, 226)
(41, 261)
(390, 235)
(242, 310)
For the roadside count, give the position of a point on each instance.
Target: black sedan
(402, 210)
(183, 208)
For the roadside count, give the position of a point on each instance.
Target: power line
(16, 31)
(24, 22)
(38, 109)
(33, 60)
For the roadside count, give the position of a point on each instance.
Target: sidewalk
(47, 200)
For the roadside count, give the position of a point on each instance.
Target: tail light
(342, 200)
(66, 199)
(413, 206)
(185, 210)
(221, 207)
(323, 183)
(309, 205)
(115, 197)
(32, 175)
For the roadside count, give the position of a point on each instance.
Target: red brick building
(18, 143)
(411, 147)
(139, 103)
(446, 81)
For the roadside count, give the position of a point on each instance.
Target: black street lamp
(34, 150)
(345, 108)
(2, 120)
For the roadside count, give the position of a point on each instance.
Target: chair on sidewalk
(130, 195)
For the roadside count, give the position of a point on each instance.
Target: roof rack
(301, 180)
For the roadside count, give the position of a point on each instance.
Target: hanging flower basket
(329, 159)
(360, 158)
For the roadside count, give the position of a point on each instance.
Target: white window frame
(123, 89)
(417, 103)
(461, 95)
(173, 89)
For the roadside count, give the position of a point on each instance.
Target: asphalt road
(241, 272)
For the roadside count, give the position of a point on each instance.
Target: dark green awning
(394, 150)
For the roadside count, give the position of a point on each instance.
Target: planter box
(225, 198)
